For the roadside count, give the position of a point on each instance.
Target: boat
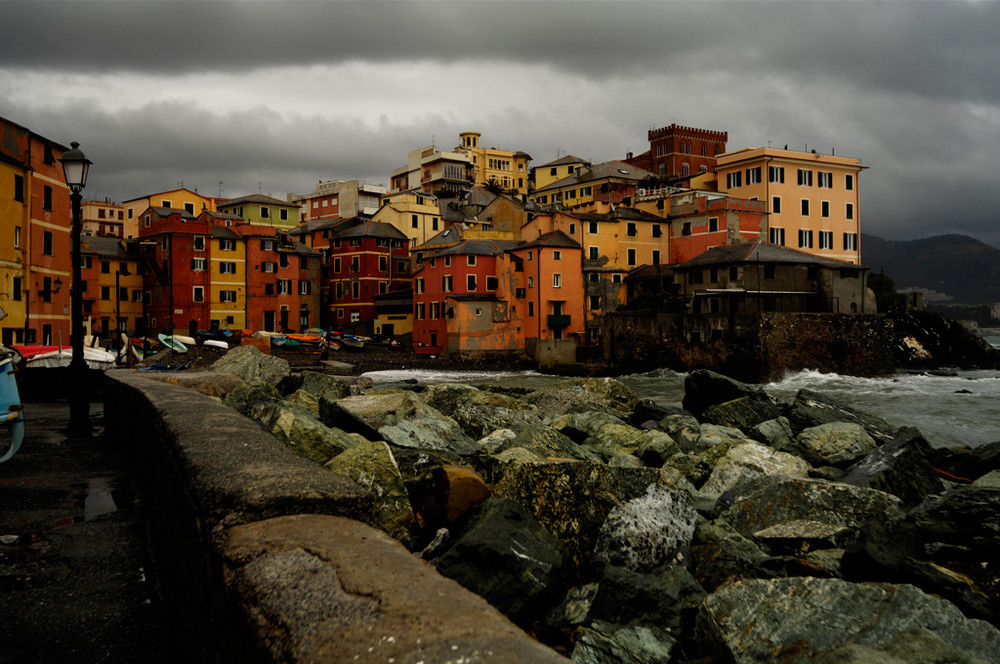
(173, 343)
(351, 342)
(215, 343)
(11, 412)
(306, 339)
(47, 357)
(187, 341)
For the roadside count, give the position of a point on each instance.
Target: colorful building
(414, 214)
(431, 171)
(180, 199)
(35, 222)
(813, 199)
(113, 280)
(676, 153)
(103, 219)
(339, 199)
(610, 182)
(366, 260)
(262, 210)
(507, 168)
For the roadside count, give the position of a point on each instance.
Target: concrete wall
(263, 557)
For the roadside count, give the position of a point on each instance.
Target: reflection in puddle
(98, 500)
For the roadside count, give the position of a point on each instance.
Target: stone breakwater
(732, 527)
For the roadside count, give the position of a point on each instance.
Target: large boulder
(776, 433)
(546, 442)
(809, 619)
(684, 429)
(572, 499)
(834, 444)
(714, 435)
(243, 397)
(581, 426)
(506, 557)
(967, 462)
(579, 395)
(297, 426)
(372, 465)
(899, 467)
(719, 554)
(704, 388)
(744, 413)
(253, 366)
(325, 386)
(480, 412)
(615, 439)
(647, 532)
(668, 596)
(811, 409)
(606, 643)
(749, 460)
(400, 418)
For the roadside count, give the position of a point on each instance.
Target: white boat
(215, 343)
(96, 358)
(173, 343)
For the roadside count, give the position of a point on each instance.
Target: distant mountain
(960, 266)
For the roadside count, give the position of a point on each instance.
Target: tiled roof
(477, 248)
(610, 169)
(760, 252)
(257, 198)
(166, 212)
(106, 247)
(372, 229)
(553, 239)
(619, 213)
(561, 161)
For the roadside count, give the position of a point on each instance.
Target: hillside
(960, 266)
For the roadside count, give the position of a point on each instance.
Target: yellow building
(812, 199)
(414, 214)
(178, 199)
(507, 168)
(227, 286)
(103, 219)
(14, 222)
(261, 210)
(557, 170)
(114, 285)
(579, 185)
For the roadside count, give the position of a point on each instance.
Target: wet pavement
(76, 581)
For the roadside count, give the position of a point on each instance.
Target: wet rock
(399, 418)
(668, 596)
(372, 465)
(451, 492)
(572, 499)
(252, 365)
(713, 435)
(773, 500)
(325, 386)
(647, 532)
(614, 439)
(720, 553)
(506, 557)
(990, 480)
(495, 441)
(803, 619)
(211, 383)
(479, 412)
(836, 444)
(899, 467)
(303, 398)
(581, 426)
(812, 409)
(546, 442)
(684, 429)
(297, 426)
(648, 410)
(964, 516)
(704, 388)
(243, 397)
(744, 413)
(776, 433)
(749, 460)
(967, 462)
(580, 395)
(655, 447)
(605, 643)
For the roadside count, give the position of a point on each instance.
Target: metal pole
(79, 402)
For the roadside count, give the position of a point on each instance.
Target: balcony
(558, 320)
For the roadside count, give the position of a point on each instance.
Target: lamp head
(76, 166)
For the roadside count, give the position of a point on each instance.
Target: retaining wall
(264, 556)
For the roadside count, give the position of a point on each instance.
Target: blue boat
(11, 410)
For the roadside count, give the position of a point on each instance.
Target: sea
(951, 408)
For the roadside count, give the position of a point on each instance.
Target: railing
(558, 320)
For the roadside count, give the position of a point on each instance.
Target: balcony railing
(558, 320)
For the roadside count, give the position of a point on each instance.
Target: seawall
(264, 556)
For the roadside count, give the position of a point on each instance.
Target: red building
(174, 246)
(700, 221)
(467, 270)
(366, 260)
(676, 153)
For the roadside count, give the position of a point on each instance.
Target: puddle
(98, 499)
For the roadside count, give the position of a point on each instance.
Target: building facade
(103, 219)
(507, 168)
(262, 210)
(676, 153)
(339, 199)
(181, 199)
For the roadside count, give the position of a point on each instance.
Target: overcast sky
(274, 96)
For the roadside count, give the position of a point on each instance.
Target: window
(686, 228)
(769, 272)
(269, 267)
(265, 212)
(434, 223)
(283, 214)
(267, 245)
(734, 273)
(470, 282)
(592, 227)
(824, 180)
(556, 280)
(447, 261)
(166, 204)
(616, 278)
(227, 267)
(631, 257)
(227, 296)
(47, 243)
(446, 283)
(492, 283)
(383, 264)
(713, 224)
(435, 310)
(776, 174)
(355, 263)
(17, 237)
(849, 182)
(713, 275)
(339, 290)
(421, 309)
(197, 264)
(105, 267)
(805, 178)
(531, 282)
(47, 197)
(19, 188)
(694, 277)
(826, 239)
(355, 290)
(734, 179)
(572, 229)
(631, 230)
(17, 288)
(414, 221)
(470, 260)
(850, 241)
(199, 242)
(595, 302)
(198, 294)
(753, 175)
(805, 207)
(656, 256)
(305, 287)
(531, 309)
(105, 292)
(284, 286)
(593, 253)
(849, 212)
(824, 208)
(777, 236)
(557, 255)
(227, 245)
(657, 231)
(805, 239)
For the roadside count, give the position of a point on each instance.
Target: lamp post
(75, 169)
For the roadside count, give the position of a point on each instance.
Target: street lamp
(75, 169)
